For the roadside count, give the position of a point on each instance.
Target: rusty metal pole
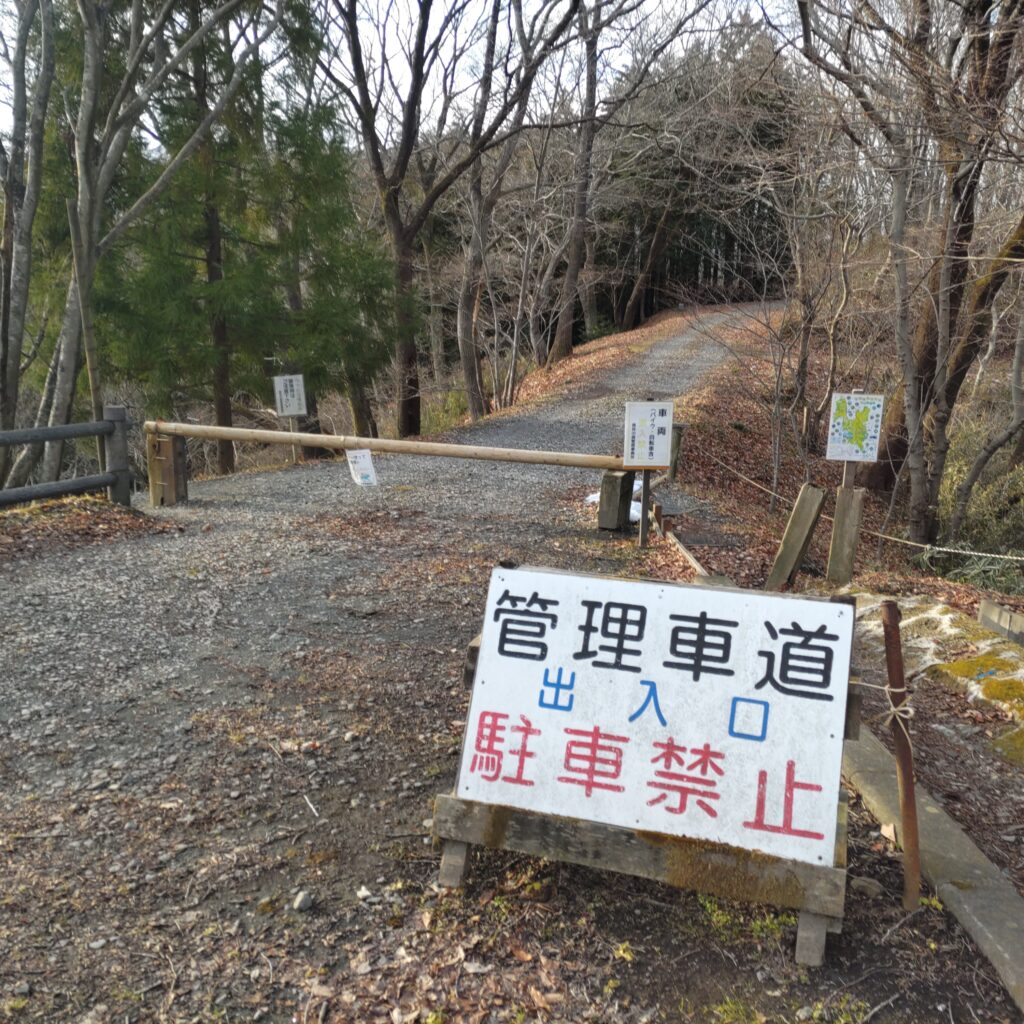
(897, 691)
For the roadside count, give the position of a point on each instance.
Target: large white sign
(290, 395)
(360, 465)
(692, 711)
(855, 427)
(648, 439)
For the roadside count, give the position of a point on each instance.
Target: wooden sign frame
(816, 892)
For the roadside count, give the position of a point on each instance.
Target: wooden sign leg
(811, 930)
(454, 861)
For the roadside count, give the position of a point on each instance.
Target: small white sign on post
(360, 465)
(855, 427)
(690, 711)
(648, 438)
(290, 395)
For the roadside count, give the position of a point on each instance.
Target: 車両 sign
(691, 711)
(855, 427)
(290, 395)
(648, 439)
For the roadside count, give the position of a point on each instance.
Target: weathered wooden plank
(845, 534)
(684, 863)
(797, 538)
(472, 657)
(854, 702)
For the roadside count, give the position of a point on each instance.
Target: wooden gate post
(115, 445)
(797, 538)
(167, 464)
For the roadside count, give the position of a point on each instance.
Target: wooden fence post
(797, 538)
(115, 446)
(845, 529)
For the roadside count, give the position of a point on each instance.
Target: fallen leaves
(66, 523)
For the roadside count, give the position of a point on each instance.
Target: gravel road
(93, 639)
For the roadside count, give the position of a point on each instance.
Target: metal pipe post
(897, 691)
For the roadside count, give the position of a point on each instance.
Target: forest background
(416, 204)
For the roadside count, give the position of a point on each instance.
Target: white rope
(873, 533)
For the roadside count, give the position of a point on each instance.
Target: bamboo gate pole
(340, 442)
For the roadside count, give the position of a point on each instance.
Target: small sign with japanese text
(360, 465)
(290, 395)
(691, 711)
(648, 439)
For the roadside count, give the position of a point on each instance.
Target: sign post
(647, 445)
(690, 734)
(290, 402)
(854, 433)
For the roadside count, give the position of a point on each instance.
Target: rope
(873, 533)
(901, 713)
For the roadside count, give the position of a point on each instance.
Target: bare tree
(30, 68)
(395, 80)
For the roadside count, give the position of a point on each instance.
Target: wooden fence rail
(116, 480)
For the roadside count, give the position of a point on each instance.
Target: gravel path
(113, 626)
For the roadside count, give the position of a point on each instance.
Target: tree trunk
(69, 363)
(588, 289)
(562, 345)
(363, 422)
(406, 364)
(469, 356)
(214, 256)
(633, 313)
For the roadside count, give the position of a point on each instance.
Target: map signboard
(855, 427)
(648, 438)
(690, 711)
(290, 395)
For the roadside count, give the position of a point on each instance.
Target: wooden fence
(116, 477)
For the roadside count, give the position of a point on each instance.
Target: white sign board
(290, 395)
(360, 465)
(691, 711)
(855, 427)
(648, 440)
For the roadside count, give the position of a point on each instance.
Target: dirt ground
(223, 730)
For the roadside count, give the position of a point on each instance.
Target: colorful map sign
(855, 427)
(690, 711)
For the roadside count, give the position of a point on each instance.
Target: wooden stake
(797, 538)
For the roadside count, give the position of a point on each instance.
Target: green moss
(1007, 691)
(733, 1011)
(1011, 746)
(980, 666)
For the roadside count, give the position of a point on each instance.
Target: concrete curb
(981, 898)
